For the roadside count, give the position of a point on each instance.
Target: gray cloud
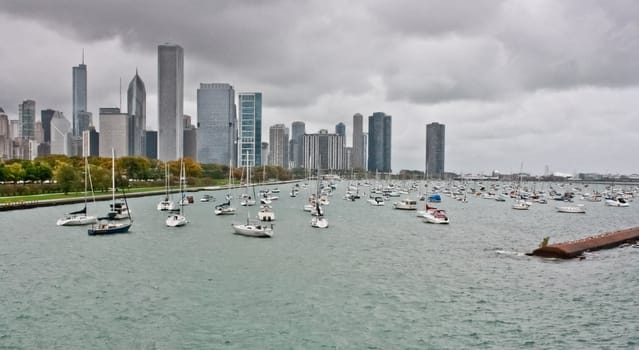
(493, 71)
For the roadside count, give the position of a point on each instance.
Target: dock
(573, 249)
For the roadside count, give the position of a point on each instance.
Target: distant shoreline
(19, 205)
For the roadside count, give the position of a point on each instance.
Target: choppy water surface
(378, 278)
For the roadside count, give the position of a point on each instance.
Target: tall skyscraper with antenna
(79, 95)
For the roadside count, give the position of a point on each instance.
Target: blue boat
(434, 198)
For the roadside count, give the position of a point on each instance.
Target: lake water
(377, 278)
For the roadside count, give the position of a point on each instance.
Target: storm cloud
(540, 82)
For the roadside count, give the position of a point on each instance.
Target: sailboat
(318, 220)
(79, 217)
(166, 203)
(247, 200)
(252, 228)
(226, 208)
(107, 225)
(177, 219)
(520, 203)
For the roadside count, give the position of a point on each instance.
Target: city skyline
(544, 83)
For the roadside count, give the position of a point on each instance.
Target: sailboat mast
(113, 176)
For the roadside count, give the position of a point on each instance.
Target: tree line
(58, 173)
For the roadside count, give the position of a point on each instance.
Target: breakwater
(573, 249)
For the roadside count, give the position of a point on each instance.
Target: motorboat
(406, 204)
(207, 198)
(617, 202)
(377, 201)
(266, 213)
(577, 209)
(521, 204)
(436, 216)
(224, 209)
(176, 220)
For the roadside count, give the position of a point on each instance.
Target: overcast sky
(544, 83)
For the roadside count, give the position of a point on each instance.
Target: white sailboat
(177, 219)
(252, 228)
(226, 208)
(247, 199)
(80, 217)
(318, 220)
(167, 203)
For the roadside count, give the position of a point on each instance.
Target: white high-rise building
(61, 131)
(170, 102)
(114, 132)
(278, 141)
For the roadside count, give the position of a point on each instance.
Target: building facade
(357, 156)
(114, 132)
(61, 134)
(296, 153)
(435, 150)
(152, 144)
(136, 109)
(250, 129)
(79, 96)
(340, 129)
(5, 137)
(26, 116)
(90, 142)
(190, 138)
(170, 101)
(278, 141)
(324, 151)
(217, 124)
(379, 142)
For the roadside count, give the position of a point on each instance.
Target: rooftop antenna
(83, 55)
(120, 94)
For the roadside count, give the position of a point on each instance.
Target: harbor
(377, 277)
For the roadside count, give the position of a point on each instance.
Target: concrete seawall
(573, 249)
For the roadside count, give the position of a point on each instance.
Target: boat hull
(109, 229)
(251, 230)
(77, 221)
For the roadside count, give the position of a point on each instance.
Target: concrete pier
(573, 249)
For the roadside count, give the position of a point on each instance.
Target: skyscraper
(26, 116)
(190, 138)
(250, 113)
(324, 150)
(79, 95)
(170, 101)
(435, 146)
(379, 142)
(340, 129)
(114, 132)
(136, 109)
(217, 124)
(5, 136)
(357, 156)
(61, 132)
(278, 140)
(298, 129)
(45, 117)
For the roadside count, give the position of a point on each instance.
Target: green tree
(67, 177)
